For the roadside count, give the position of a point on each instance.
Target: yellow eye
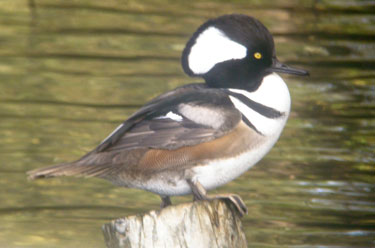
(257, 55)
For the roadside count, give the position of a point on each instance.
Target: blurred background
(71, 71)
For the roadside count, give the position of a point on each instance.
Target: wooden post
(199, 224)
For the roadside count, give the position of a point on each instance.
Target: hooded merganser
(199, 136)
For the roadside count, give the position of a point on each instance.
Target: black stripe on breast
(257, 107)
(248, 123)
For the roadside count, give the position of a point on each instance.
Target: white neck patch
(212, 46)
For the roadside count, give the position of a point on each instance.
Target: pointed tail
(69, 169)
(65, 169)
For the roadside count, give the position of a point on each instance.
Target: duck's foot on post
(235, 199)
(199, 193)
(165, 201)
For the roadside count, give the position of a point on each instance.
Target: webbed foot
(200, 193)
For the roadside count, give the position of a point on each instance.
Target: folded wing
(183, 118)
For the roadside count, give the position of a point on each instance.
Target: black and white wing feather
(184, 117)
(187, 116)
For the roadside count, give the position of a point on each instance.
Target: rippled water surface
(71, 71)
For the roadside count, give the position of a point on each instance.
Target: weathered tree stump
(198, 224)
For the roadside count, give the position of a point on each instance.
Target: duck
(199, 136)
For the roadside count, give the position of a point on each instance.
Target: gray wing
(150, 139)
(184, 117)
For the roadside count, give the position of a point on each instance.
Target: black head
(233, 51)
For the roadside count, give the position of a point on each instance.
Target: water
(70, 72)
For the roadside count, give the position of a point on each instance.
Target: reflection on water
(70, 72)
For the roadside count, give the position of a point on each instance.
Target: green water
(71, 71)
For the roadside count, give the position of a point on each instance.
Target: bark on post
(198, 224)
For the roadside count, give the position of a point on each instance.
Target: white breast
(220, 172)
(272, 93)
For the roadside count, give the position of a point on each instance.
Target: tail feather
(67, 169)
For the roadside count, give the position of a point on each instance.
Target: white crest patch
(211, 47)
